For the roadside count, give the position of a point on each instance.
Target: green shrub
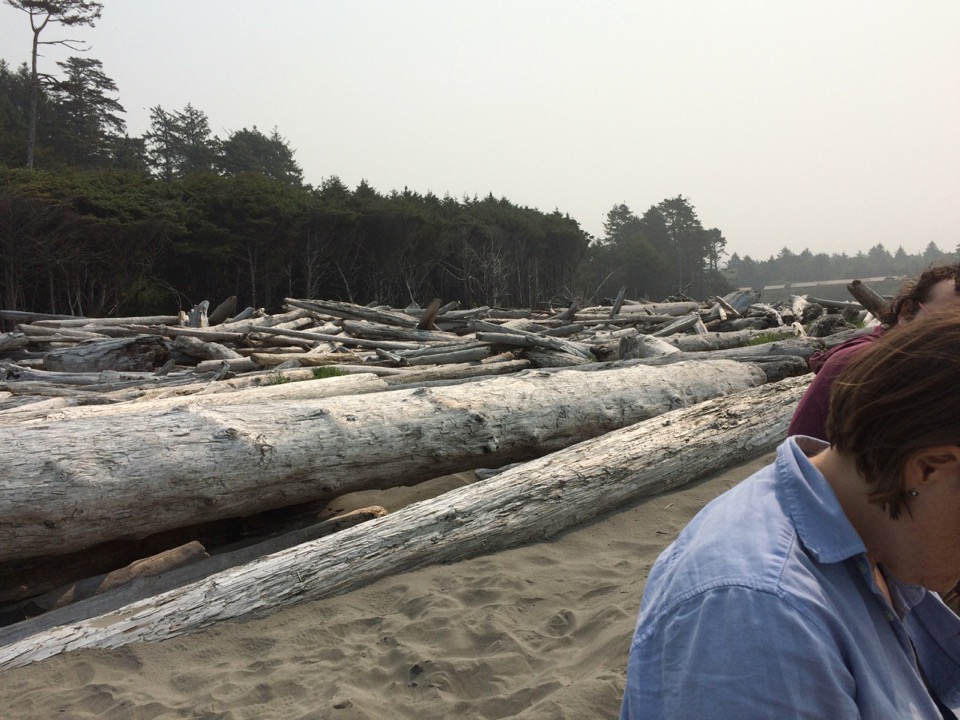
(764, 338)
(326, 371)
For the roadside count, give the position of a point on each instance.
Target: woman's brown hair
(899, 395)
(918, 290)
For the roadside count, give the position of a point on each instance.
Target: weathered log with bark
(204, 350)
(868, 297)
(542, 358)
(14, 373)
(75, 483)
(351, 311)
(38, 331)
(11, 341)
(524, 504)
(70, 321)
(727, 340)
(687, 322)
(311, 359)
(674, 309)
(802, 347)
(487, 332)
(137, 353)
(835, 304)
(439, 354)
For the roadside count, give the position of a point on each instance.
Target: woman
(809, 590)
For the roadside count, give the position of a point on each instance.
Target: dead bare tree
(69, 13)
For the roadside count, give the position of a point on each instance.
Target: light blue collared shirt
(765, 607)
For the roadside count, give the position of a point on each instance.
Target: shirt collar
(821, 524)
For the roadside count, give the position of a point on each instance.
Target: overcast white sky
(831, 125)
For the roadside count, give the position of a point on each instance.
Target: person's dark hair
(918, 290)
(897, 396)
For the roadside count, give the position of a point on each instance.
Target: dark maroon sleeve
(810, 417)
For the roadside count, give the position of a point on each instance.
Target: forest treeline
(96, 221)
(109, 223)
(116, 241)
(790, 267)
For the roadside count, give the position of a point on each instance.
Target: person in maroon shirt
(934, 289)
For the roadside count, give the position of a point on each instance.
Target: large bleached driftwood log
(801, 347)
(526, 503)
(70, 321)
(74, 483)
(272, 387)
(172, 397)
(137, 353)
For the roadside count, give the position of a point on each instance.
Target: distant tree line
(107, 222)
(118, 241)
(790, 267)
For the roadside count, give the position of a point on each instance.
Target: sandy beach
(539, 631)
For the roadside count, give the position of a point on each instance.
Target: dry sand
(540, 631)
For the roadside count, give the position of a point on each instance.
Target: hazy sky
(831, 125)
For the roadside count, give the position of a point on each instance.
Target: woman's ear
(931, 463)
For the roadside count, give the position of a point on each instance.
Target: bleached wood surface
(727, 340)
(529, 502)
(136, 353)
(219, 394)
(73, 483)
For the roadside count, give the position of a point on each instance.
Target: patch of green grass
(326, 371)
(764, 338)
(277, 378)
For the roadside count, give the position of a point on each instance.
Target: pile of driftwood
(164, 473)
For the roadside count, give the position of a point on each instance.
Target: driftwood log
(136, 353)
(78, 482)
(868, 297)
(278, 385)
(727, 340)
(198, 348)
(526, 503)
(188, 395)
(157, 564)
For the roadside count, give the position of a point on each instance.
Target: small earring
(912, 493)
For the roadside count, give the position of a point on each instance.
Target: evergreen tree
(180, 143)
(90, 116)
(198, 147)
(252, 151)
(638, 261)
(716, 244)
(689, 245)
(14, 111)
